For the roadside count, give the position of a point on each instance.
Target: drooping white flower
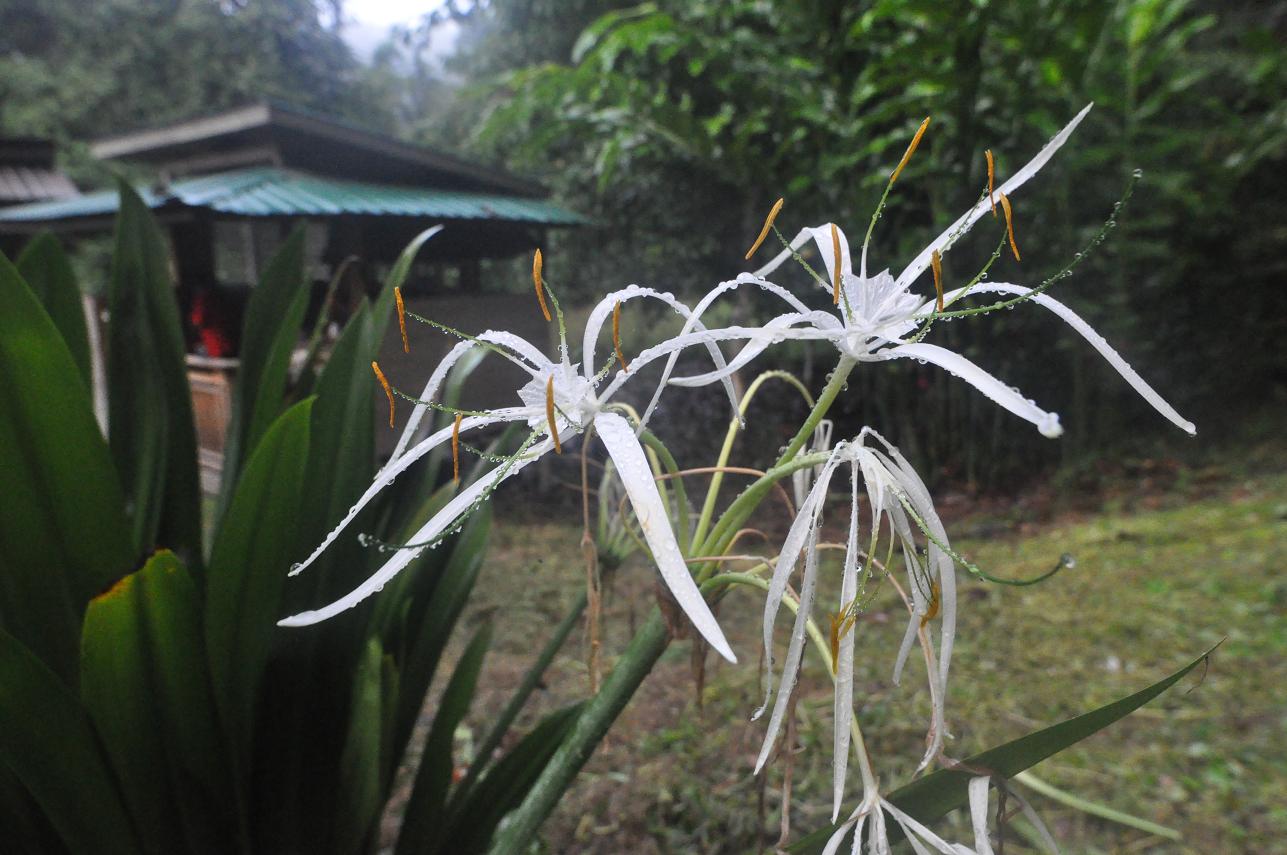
(560, 400)
(869, 816)
(898, 498)
(877, 316)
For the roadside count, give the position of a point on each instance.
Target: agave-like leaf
(929, 798)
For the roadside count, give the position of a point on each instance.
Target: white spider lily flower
(895, 493)
(876, 315)
(560, 401)
(922, 841)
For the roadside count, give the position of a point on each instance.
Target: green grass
(1160, 576)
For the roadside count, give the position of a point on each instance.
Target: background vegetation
(676, 124)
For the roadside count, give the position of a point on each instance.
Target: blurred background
(674, 126)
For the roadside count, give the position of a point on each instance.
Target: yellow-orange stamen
(549, 414)
(402, 319)
(835, 265)
(616, 335)
(992, 179)
(932, 612)
(907, 155)
(388, 390)
(455, 448)
(1009, 224)
(540, 289)
(768, 224)
(936, 263)
(841, 622)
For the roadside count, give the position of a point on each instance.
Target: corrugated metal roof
(33, 183)
(276, 192)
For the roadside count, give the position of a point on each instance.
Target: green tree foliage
(678, 123)
(77, 71)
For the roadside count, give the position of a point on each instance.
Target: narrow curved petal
(978, 789)
(843, 703)
(1047, 423)
(1100, 344)
(795, 648)
(396, 466)
(796, 538)
(437, 524)
(914, 829)
(779, 328)
(604, 308)
(694, 321)
(858, 818)
(953, 232)
(632, 466)
(526, 354)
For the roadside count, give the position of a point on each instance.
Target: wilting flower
(877, 317)
(898, 497)
(874, 807)
(559, 401)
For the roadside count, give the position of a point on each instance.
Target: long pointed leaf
(64, 535)
(149, 403)
(256, 542)
(273, 320)
(427, 805)
(47, 741)
(361, 767)
(44, 265)
(931, 797)
(506, 785)
(145, 683)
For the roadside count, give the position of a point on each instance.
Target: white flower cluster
(875, 318)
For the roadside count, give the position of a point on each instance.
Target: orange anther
(907, 155)
(936, 263)
(402, 319)
(455, 448)
(835, 265)
(768, 224)
(549, 414)
(616, 335)
(1009, 224)
(388, 390)
(540, 289)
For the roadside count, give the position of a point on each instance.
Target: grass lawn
(1160, 576)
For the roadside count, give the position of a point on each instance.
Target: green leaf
(430, 612)
(149, 403)
(248, 564)
(361, 766)
(64, 536)
(145, 684)
(931, 797)
(44, 265)
(274, 317)
(47, 741)
(422, 825)
(507, 783)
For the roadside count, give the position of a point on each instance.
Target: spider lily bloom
(558, 402)
(877, 315)
(874, 807)
(897, 495)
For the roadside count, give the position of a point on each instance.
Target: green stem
(1050, 791)
(644, 650)
(600, 712)
(734, 426)
(482, 759)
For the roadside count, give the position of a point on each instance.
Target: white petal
(502, 340)
(1099, 343)
(776, 329)
(1010, 399)
(636, 476)
(397, 466)
(978, 790)
(437, 524)
(912, 826)
(604, 308)
(794, 543)
(795, 648)
(843, 705)
(949, 236)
